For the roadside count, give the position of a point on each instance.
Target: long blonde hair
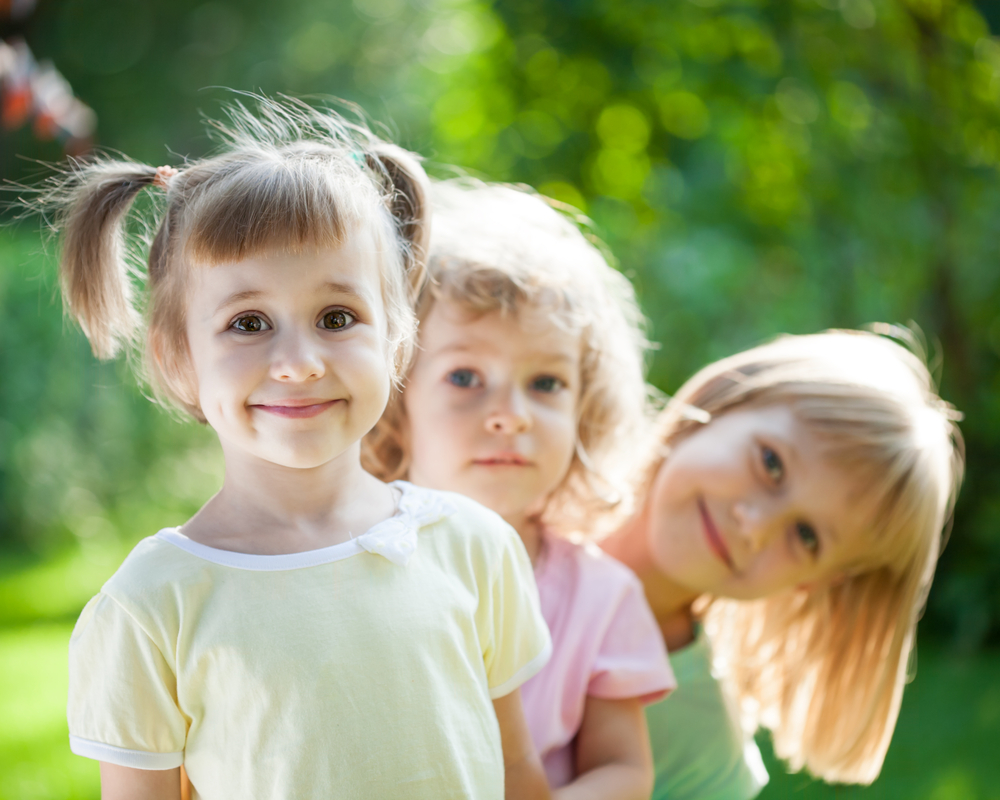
(502, 248)
(287, 177)
(824, 669)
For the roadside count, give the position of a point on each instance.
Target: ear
(410, 205)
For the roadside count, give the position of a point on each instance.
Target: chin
(301, 457)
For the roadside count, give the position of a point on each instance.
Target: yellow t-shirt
(362, 670)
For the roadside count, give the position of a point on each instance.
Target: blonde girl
(800, 490)
(528, 396)
(311, 631)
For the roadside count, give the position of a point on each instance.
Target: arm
(126, 783)
(524, 778)
(613, 758)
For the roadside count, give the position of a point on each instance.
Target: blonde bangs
(289, 201)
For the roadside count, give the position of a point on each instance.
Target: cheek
(772, 572)
(220, 371)
(439, 434)
(675, 532)
(560, 431)
(673, 484)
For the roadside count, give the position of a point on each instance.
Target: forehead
(355, 263)
(525, 333)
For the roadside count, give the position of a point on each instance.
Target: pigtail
(92, 201)
(409, 204)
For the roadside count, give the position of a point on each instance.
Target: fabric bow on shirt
(396, 538)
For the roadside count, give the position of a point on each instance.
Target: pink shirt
(605, 643)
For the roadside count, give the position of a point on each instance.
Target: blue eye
(337, 319)
(249, 323)
(547, 384)
(773, 465)
(808, 537)
(463, 379)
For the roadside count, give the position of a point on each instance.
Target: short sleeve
(632, 658)
(122, 692)
(516, 644)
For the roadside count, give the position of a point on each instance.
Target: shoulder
(591, 592)
(455, 518)
(693, 665)
(153, 573)
(593, 565)
(149, 561)
(464, 537)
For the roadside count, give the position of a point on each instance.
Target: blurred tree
(762, 167)
(758, 166)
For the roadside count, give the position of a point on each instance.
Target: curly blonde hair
(287, 177)
(501, 248)
(824, 669)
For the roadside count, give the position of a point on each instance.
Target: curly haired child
(528, 395)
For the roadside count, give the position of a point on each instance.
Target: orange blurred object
(15, 107)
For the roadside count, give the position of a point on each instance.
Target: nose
(756, 522)
(509, 414)
(295, 359)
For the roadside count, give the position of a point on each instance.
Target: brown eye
(335, 320)
(250, 323)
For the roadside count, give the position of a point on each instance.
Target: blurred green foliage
(762, 167)
(757, 167)
(84, 457)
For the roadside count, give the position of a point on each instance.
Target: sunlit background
(756, 166)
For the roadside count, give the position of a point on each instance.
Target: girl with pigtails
(311, 631)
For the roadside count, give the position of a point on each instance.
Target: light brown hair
(824, 669)
(287, 177)
(502, 248)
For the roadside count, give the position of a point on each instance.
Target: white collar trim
(394, 538)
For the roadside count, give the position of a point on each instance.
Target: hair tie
(163, 177)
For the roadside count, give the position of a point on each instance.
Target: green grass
(35, 761)
(946, 745)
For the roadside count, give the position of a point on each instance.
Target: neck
(530, 529)
(266, 507)
(670, 601)
(287, 493)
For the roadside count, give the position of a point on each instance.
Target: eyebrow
(238, 297)
(463, 347)
(344, 288)
(328, 287)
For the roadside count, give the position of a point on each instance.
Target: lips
(715, 540)
(503, 460)
(297, 409)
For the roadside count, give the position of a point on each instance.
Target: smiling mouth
(295, 409)
(714, 537)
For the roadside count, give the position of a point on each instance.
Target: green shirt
(699, 749)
